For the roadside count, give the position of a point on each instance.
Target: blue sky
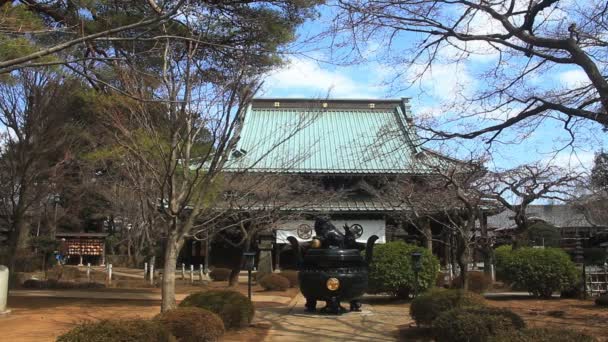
(309, 75)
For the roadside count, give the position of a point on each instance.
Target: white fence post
(88, 271)
(191, 274)
(183, 271)
(151, 273)
(145, 270)
(110, 273)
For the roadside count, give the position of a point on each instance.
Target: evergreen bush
(602, 300)
(475, 324)
(220, 274)
(274, 282)
(540, 271)
(392, 270)
(118, 331)
(235, 309)
(429, 305)
(192, 324)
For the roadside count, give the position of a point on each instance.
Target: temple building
(349, 148)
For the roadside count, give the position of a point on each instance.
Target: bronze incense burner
(332, 268)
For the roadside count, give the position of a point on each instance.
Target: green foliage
(220, 274)
(428, 306)
(477, 282)
(274, 282)
(475, 324)
(235, 309)
(192, 324)
(292, 276)
(543, 234)
(602, 300)
(575, 291)
(543, 335)
(118, 331)
(392, 269)
(540, 271)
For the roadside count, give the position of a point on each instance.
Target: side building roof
(328, 136)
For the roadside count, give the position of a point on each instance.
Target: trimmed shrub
(235, 309)
(543, 335)
(602, 300)
(220, 274)
(477, 282)
(192, 324)
(475, 324)
(574, 292)
(540, 271)
(274, 282)
(292, 276)
(118, 331)
(392, 271)
(428, 306)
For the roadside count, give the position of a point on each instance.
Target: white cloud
(573, 78)
(576, 161)
(305, 76)
(444, 82)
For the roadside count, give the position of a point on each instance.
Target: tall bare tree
(34, 148)
(517, 188)
(512, 45)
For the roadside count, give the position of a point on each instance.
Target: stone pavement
(379, 321)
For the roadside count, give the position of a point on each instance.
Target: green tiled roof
(340, 136)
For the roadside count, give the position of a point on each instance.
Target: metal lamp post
(417, 266)
(249, 263)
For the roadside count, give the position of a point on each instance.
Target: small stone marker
(3, 289)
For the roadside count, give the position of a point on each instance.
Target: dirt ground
(574, 314)
(43, 319)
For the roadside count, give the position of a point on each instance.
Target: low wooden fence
(596, 280)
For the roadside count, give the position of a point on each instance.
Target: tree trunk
(168, 281)
(234, 273)
(486, 248)
(462, 258)
(19, 240)
(236, 270)
(428, 235)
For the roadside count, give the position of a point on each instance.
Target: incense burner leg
(355, 305)
(311, 304)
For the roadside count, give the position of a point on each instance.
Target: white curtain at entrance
(370, 227)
